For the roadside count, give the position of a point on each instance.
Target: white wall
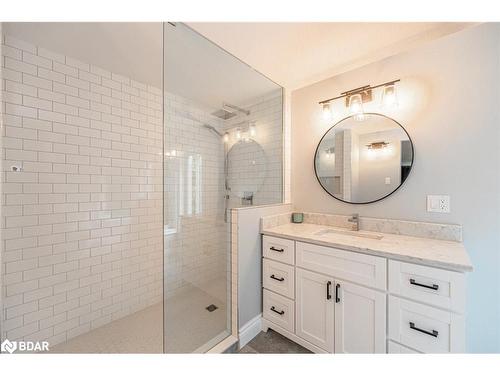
(449, 104)
(83, 220)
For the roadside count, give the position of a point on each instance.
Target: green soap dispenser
(297, 217)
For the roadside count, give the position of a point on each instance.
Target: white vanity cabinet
(360, 316)
(315, 309)
(338, 301)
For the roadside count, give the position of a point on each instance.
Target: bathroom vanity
(334, 290)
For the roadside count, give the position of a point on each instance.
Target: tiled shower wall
(267, 113)
(82, 221)
(196, 247)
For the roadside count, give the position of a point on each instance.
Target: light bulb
(238, 134)
(225, 138)
(252, 129)
(327, 112)
(389, 96)
(356, 107)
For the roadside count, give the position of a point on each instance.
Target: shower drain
(211, 307)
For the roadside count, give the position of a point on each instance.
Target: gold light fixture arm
(364, 91)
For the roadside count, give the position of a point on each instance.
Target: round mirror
(246, 168)
(363, 160)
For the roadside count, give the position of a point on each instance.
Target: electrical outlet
(438, 203)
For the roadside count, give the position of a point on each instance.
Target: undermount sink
(348, 233)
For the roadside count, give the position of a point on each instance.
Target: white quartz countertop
(430, 252)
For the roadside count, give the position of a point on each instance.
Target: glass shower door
(223, 147)
(197, 260)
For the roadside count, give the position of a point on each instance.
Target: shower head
(210, 127)
(229, 111)
(223, 114)
(235, 108)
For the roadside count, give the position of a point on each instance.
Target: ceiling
(206, 74)
(299, 54)
(291, 54)
(195, 68)
(133, 49)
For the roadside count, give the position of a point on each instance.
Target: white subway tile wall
(82, 222)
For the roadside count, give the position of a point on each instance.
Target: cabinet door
(315, 321)
(360, 319)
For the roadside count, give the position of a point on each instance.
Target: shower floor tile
(188, 326)
(188, 323)
(137, 333)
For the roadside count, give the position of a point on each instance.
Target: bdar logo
(9, 346)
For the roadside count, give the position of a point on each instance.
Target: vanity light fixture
(389, 96)
(355, 98)
(356, 107)
(377, 145)
(330, 152)
(252, 129)
(327, 112)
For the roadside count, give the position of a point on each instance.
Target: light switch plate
(438, 203)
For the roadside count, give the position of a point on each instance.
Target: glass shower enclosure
(222, 149)
(124, 148)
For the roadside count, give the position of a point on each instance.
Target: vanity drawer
(279, 249)
(441, 288)
(395, 348)
(279, 310)
(360, 268)
(424, 328)
(279, 278)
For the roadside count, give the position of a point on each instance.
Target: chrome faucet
(354, 219)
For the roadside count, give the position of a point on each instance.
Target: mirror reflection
(363, 160)
(246, 169)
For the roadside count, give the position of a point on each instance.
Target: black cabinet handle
(433, 286)
(328, 294)
(337, 298)
(277, 278)
(275, 249)
(434, 333)
(276, 311)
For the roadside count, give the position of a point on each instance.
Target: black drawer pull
(433, 286)
(276, 311)
(337, 298)
(434, 333)
(328, 294)
(275, 249)
(277, 278)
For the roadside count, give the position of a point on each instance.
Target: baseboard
(250, 330)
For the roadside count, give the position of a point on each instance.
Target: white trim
(250, 330)
(223, 345)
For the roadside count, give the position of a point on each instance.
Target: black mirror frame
(385, 196)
